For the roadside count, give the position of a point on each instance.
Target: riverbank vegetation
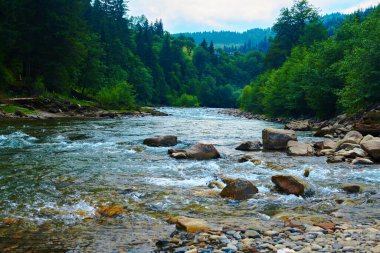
(92, 50)
(310, 74)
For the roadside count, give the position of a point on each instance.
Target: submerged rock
(239, 189)
(290, 184)
(335, 159)
(295, 148)
(249, 146)
(277, 139)
(161, 141)
(199, 151)
(110, 211)
(352, 188)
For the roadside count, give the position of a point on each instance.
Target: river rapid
(54, 174)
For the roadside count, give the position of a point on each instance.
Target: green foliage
(186, 100)
(120, 96)
(323, 77)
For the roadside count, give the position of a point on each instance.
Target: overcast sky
(235, 15)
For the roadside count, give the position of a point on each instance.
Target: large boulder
(161, 141)
(290, 184)
(303, 125)
(199, 151)
(370, 123)
(249, 146)
(277, 139)
(372, 147)
(353, 137)
(239, 189)
(296, 148)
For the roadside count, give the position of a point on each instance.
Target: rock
(277, 139)
(335, 159)
(352, 137)
(271, 233)
(359, 160)
(249, 146)
(251, 234)
(326, 152)
(328, 145)
(372, 147)
(161, 141)
(352, 188)
(20, 114)
(306, 172)
(239, 189)
(367, 138)
(369, 124)
(215, 184)
(295, 148)
(303, 125)
(212, 193)
(329, 130)
(346, 146)
(290, 184)
(245, 158)
(191, 225)
(356, 152)
(228, 180)
(110, 211)
(199, 151)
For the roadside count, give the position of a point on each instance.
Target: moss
(13, 109)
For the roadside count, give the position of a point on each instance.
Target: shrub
(120, 96)
(187, 100)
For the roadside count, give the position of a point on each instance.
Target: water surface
(55, 174)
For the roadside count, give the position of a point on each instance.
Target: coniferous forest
(94, 50)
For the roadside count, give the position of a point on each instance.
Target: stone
(327, 152)
(245, 158)
(295, 148)
(306, 172)
(347, 146)
(110, 211)
(249, 146)
(161, 141)
(367, 138)
(352, 137)
(215, 184)
(303, 125)
(290, 184)
(361, 161)
(335, 159)
(328, 145)
(251, 234)
(271, 233)
(329, 130)
(277, 139)
(191, 225)
(372, 147)
(352, 188)
(239, 189)
(199, 151)
(370, 123)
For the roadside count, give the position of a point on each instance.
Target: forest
(311, 67)
(93, 50)
(311, 74)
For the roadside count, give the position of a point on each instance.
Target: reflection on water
(55, 174)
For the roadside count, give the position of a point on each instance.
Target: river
(54, 174)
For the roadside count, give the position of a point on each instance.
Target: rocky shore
(282, 236)
(45, 108)
(287, 232)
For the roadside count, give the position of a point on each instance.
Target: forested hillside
(310, 74)
(254, 39)
(92, 49)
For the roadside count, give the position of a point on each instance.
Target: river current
(54, 174)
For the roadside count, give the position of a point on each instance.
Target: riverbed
(54, 174)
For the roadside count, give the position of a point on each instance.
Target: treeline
(230, 40)
(90, 49)
(312, 75)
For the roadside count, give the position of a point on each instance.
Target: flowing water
(55, 174)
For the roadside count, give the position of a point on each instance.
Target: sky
(232, 15)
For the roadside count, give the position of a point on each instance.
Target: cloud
(363, 5)
(238, 15)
